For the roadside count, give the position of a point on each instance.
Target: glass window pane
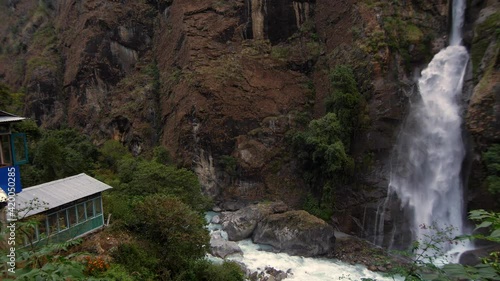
(72, 216)
(20, 148)
(97, 204)
(42, 229)
(5, 158)
(63, 220)
(90, 208)
(52, 219)
(80, 208)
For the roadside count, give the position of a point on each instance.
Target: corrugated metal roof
(9, 117)
(57, 193)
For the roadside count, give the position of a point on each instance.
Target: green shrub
(142, 178)
(137, 260)
(314, 207)
(492, 160)
(64, 153)
(111, 153)
(177, 231)
(204, 270)
(162, 155)
(346, 102)
(230, 164)
(118, 272)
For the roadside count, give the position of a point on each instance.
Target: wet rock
(296, 233)
(268, 274)
(241, 224)
(473, 257)
(233, 205)
(222, 248)
(216, 220)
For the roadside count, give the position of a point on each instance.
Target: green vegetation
(425, 252)
(41, 62)
(10, 101)
(314, 207)
(59, 154)
(280, 52)
(230, 164)
(159, 206)
(347, 103)
(482, 39)
(175, 229)
(323, 148)
(399, 34)
(492, 160)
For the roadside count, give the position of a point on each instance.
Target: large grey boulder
(222, 248)
(241, 224)
(296, 233)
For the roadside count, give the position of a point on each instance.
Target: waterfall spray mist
(428, 157)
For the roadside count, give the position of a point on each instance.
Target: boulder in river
(222, 248)
(296, 233)
(241, 224)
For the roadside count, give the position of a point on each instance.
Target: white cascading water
(257, 257)
(427, 163)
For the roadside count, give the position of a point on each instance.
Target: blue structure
(13, 152)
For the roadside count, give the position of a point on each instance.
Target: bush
(204, 270)
(313, 206)
(111, 153)
(136, 260)
(346, 102)
(162, 155)
(492, 160)
(64, 153)
(119, 273)
(175, 229)
(320, 147)
(143, 178)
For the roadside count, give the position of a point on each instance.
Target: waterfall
(427, 159)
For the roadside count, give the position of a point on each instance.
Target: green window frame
(62, 220)
(19, 148)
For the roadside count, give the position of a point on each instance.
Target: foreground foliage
(426, 253)
(492, 160)
(156, 203)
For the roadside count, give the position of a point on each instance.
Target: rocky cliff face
(483, 112)
(220, 83)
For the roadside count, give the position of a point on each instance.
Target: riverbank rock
(222, 248)
(473, 257)
(240, 224)
(354, 250)
(296, 233)
(269, 274)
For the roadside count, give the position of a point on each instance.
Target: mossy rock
(296, 233)
(484, 34)
(413, 34)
